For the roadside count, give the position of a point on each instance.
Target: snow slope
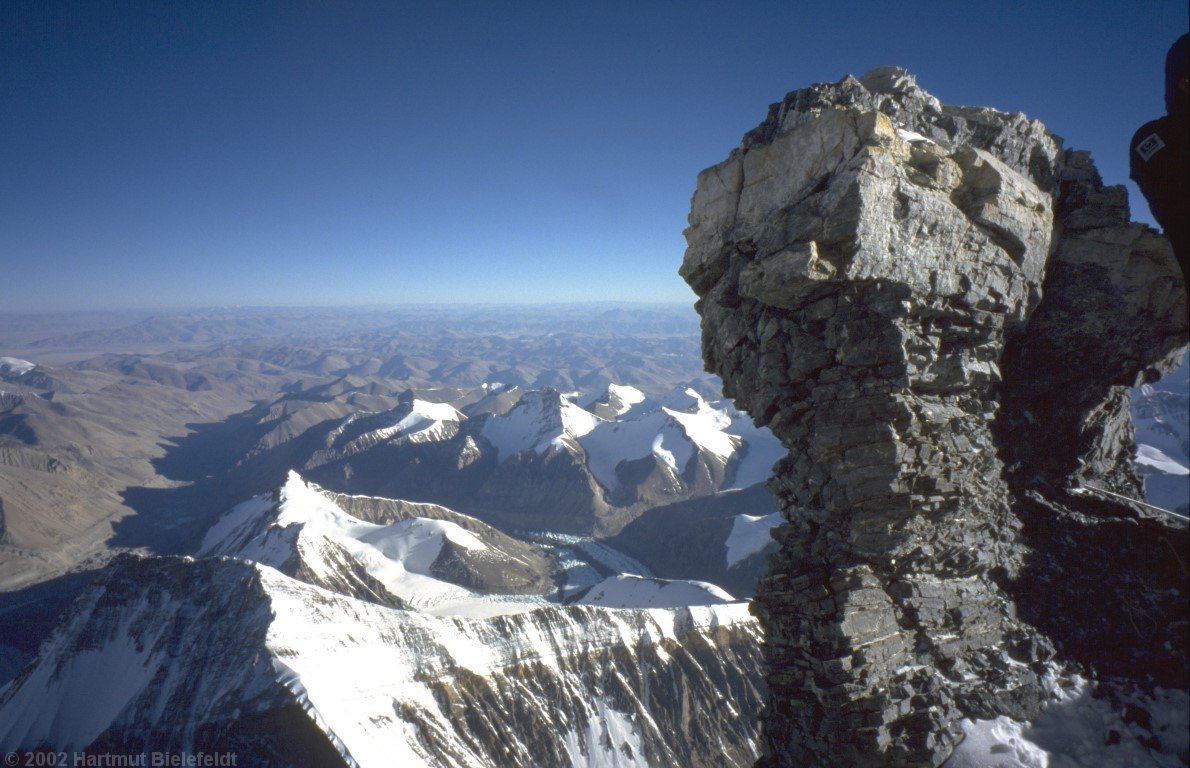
(161, 649)
(749, 535)
(627, 591)
(1148, 456)
(1161, 415)
(1079, 731)
(15, 366)
(763, 449)
(302, 522)
(674, 435)
(425, 422)
(541, 420)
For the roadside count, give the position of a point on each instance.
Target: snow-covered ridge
(15, 365)
(383, 686)
(627, 591)
(303, 524)
(425, 422)
(672, 428)
(541, 420)
(616, 400)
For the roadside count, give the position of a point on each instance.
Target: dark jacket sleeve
(1157, 163)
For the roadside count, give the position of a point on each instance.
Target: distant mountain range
(466, 538)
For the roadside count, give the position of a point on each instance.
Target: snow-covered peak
(305, 526)
(706, 427)
(423, 422)
(541, 419)
(614, 401)
(626, 591)
(625, 394)
(672, 437)
(15, 366)
(682, 399)
(264, 528)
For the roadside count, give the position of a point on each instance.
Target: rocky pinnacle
(938, 310)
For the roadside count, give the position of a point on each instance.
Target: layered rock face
(867, 262)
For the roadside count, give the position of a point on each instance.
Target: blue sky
(158, 154)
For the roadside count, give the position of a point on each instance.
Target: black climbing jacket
(1159, 157)
(1159, 162)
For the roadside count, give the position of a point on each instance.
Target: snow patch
(1078, 730)
(912, 136)
(625, 591)
(749, 535)
(664, 456)
(1148, 456)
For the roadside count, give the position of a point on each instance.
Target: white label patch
(1149, 146)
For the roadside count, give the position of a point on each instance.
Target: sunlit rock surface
(938, 310)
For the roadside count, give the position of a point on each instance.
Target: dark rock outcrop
(938, 311)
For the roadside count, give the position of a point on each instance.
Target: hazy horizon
(392, 306)
(185, 155)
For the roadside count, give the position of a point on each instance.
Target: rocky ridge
(396, 633)
(222, 654)
(938, 311)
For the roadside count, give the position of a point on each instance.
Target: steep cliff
(938, 311)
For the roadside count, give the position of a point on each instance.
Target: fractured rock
(870, 266)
